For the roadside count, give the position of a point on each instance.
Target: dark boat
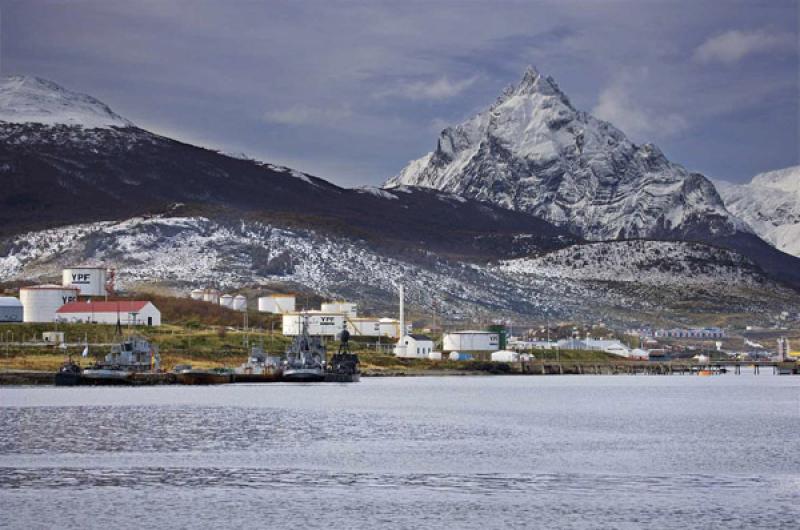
(259, 368)
(305, 358)
(195, 376)
(69, 374)
(344, 365)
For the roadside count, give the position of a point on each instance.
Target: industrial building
(277, 303)
(414, 347)
(40, 302)
(91, 281)
(614, 347)
(10, 309)
(679, 333)
(349, 309)
(471, 340)
(375, 327)
(317, 322)
(126, 312)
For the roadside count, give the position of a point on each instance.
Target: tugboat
(69, 374)
(134, 355)
(259, 368)
(343, 367)
(305, 358)
(196, 376)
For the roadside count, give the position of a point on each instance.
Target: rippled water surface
(493, 452)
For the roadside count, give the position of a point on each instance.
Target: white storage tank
(347, 308)
(226, 300)
(319, 323)
(277, 303)
(90, 280)
(40, 302)
(471, 341)
(10, 309)
(196, 294)
(239, 303)
(211, 295)
(505, 356)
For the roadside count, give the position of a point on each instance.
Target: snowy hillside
(651, 262)
(26, 99)
(770, 204)
(533, 151)
(181, 252)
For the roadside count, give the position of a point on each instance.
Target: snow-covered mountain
(180, 252)
(770, 204)
(92, 186)
(533, 151)
(27, 99)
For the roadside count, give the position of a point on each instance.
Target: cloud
(436, 89)
(732, 46)
(616, 105)
(307, 115)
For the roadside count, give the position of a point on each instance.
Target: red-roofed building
(127, 312)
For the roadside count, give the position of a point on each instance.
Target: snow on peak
(770, 205)
(787, 179)
(29, 99)
(532, 151)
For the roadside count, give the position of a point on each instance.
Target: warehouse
(471, 341)
(318, 323)
(277, 303)
(126, 312)
(10, 309)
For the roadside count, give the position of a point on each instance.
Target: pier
(548, 367)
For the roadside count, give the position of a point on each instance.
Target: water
(491, 452)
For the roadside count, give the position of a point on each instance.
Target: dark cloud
(352, 90)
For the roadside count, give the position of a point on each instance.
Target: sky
(351, 91)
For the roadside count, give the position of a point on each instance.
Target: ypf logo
(81, 277)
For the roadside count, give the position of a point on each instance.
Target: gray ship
(133, 355)
(305, 357)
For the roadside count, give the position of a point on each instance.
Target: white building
(277, 303)
(471, 341)
(614, 347)
(414, 347)
(40, 302)
(127, 312)
(349, 309)
(90, 280)
(10, 309)
(318, 323)
(53, 337)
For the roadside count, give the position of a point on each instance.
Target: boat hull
(202, 378)
(106, 377)
(342, 378)
(67, 379)
(257, 378)
(303, 375)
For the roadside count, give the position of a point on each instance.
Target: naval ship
(133, 355)
(305, 357)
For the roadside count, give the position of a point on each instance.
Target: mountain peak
(533, 82)
(31, 99)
